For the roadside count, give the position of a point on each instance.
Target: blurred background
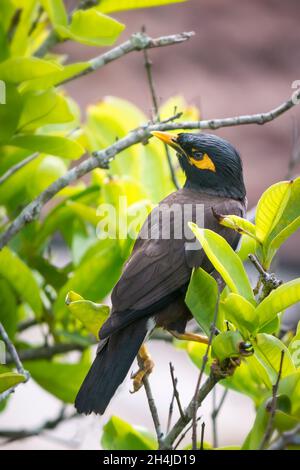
(242, 60)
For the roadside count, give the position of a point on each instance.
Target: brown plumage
(152, 287)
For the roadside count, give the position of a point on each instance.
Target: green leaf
(247, 246)
(270, 208)
(256, 435)
(113, 118)
(92, 28)
(9, 112)
(95, 276)
(53, 145)
(290, 386)
(91, 315)
(250, 379)
(241, 313)
(84, 211)
(20, 40)
(226, 345)
(20, 278)
(56, 77)
(120, 435)
(20, 69)
(8, 311)
(56, 11)
(294, 347)
(61, 379)
(238, 224)
(41, 108)
(201, 298)
(10, 379)
(108, 6)
(268, 349)
(288, 223)
(225, 261)
(278, 300)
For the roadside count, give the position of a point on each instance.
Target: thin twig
(269, 280)
(272, 407)
(295, 153)
(148, 67)
(171, 408)
(12, 435)
(215, 413)
(47, 352)
(289, 438)
(137, 42)
(15, 359)
(202, 436)
(182, 422)
(152, 406)
(102, 158)
(184, 434)
(204, 362)
(176, 393)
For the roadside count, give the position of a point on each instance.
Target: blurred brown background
(243, 59)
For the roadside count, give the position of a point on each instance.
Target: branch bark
(183, 421)
(15, 359)
(47, 352)
(137, 42)
(102, 158)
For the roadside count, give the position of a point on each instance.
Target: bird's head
(210, 163)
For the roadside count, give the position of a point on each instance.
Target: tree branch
(215, 413)
(203, 365)
(102, 158)
(15, 359)
(48, 425)
(152, 406)
(286, 439)
(182, 422)
(137, 42)
(269, 280)
(47, 352)
(175, 390)
(148, 67)
(272, 407)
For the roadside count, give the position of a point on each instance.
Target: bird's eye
(197, 155)
(246, 348)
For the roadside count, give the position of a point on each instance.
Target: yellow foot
(189, 337)
(146, 366)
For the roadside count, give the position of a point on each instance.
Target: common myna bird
(151, 290)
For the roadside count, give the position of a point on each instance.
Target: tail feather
(110, 368)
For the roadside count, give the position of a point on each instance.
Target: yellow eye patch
(205, 163)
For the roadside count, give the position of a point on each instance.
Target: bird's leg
(189, 337)
(145, 368)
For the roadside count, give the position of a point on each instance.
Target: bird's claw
(138, 376)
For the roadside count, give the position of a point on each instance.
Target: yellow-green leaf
(270, 208)
(10, 379)
(92, 28)
(225, 261)
(201, 298)
(241, 313)
(91, 315)
(20, 69)
(238, 224)
(278, 300)
(53, 145)
(21, 278)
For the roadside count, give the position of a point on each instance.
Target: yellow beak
(167, 138)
